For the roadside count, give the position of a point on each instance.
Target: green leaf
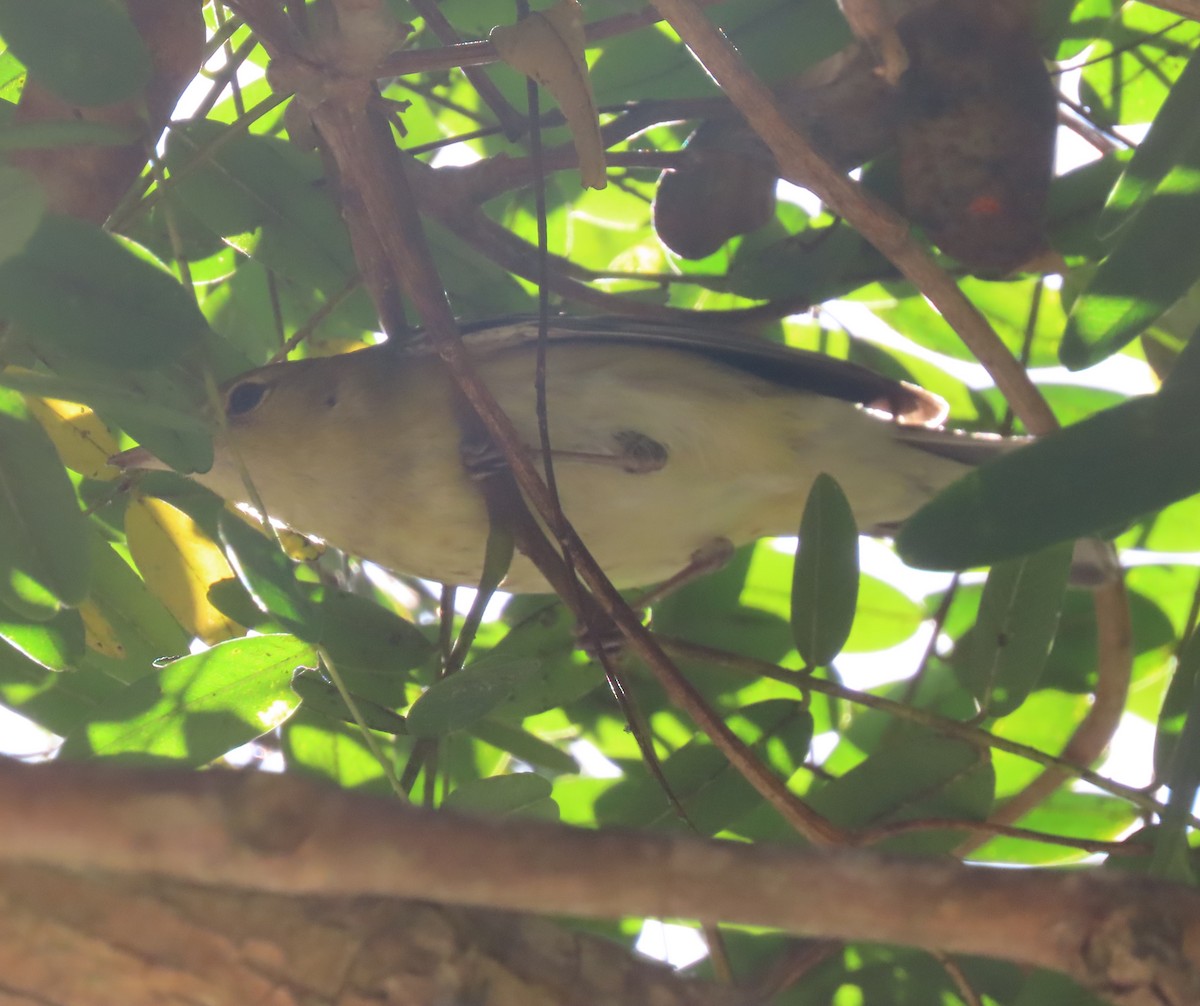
(55, 702)
(525, 746)
(724, 610)
(462, 699)
(201, 706)
(361, 635)
(1042, 987)
(1176, 706)
(1180, 735)
(357, 632)
(22, 204)
(884, 616)
(913, 775)
(1003, 657)
(1073, 201)
(825, 580)
(817, 264)
(144, 627)
(321, 695)
(86, 51)
(57, 644)
(81, 291)
(43, 545)
(1073, 814)
(522, 794)
(332, 751)
(268, 576)
(264, 194)
(1087, 479)
(712, 792)
(1165, 145)
(1156, 205)
(54, 133)
(155, 408)
(1008, 305)
(1131, 66)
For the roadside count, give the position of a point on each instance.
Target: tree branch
(72, 939)
(1127, 937)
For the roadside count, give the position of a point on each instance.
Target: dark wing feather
(783, 365)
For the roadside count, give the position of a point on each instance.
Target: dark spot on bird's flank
(245, 397)
(1001, 638)
(641, 453)
(331, 400)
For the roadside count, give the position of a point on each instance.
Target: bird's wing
(783, 365)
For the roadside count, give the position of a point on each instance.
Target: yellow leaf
(179, 564)
(300, 548)
(99, 633)
(83, 442)
(548, 46)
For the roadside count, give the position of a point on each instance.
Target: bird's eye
(244, 398)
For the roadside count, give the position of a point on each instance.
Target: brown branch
(1128, 937)
(69, 939)
(1186, 8)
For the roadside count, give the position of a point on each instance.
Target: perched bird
(666, 439)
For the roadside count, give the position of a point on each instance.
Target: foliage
(230, 245)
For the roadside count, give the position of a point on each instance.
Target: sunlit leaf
(83, 441)
(1177, 759)
(43, 554)
(56, 644)
(144, 629)
(337, 752)
(199, 707)
(1166, 143)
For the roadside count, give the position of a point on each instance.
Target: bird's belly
(637, 533)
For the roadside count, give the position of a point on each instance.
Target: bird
(666, 438)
